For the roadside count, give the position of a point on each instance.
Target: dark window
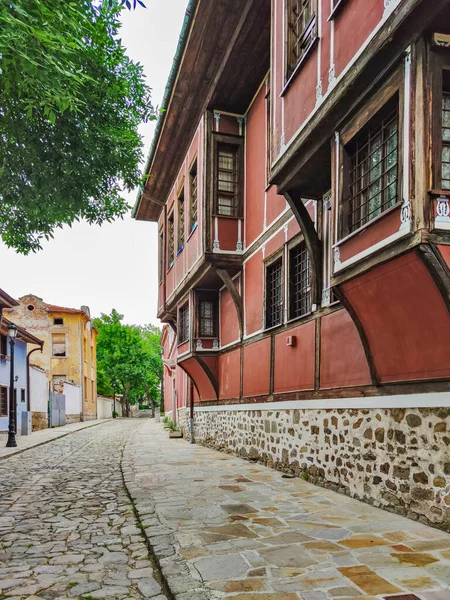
(3, 345)
(373, 168)
(299, 281)
(170, 239)
(301, 23)
(161, 255)
(22, 395)
(446, 131)
(227, 180)
(274, 293)
(181, 219)
(3, 401)
(58, 321)
(183, 323)
(30, 307)
(207, 318)
(193, 195)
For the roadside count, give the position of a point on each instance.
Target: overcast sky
(113, 266)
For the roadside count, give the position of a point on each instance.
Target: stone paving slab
(222, 527)
(38, 438)
(67, 526)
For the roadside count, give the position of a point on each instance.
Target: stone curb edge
(183, 584)
(22, 450)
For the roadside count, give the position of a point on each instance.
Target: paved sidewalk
(223, 527)
(24, 442)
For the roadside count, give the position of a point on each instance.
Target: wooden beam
(362, 334)
(236, 296)
(209, 374)
(312, 243)
(438, 269)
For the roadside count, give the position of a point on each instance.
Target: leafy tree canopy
(128, 360)
(71, 102)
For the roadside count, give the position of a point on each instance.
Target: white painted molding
(443, 213)
(405, 213)
(353, 259)
(431, 400)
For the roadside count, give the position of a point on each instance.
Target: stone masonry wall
(39, 421)
(76, 418)
(89, 416)
(397, 459)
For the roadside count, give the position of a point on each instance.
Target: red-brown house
(300, 179)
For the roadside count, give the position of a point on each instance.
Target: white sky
(113, 266)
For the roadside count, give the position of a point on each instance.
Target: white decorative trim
(405, 213)
(431, 400)
(216, 245)
(327, 202)
(389, 6)
(326, 296)
(217, 120)
(442, 211)
(319, 93)
(239, 240)
(241, 121)
(337, 258)
(332, 74)
(199, 345)
(368, 251)
(215, 345)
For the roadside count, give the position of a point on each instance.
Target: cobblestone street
(67, 526)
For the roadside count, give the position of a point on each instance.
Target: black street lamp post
(114, 401)
(11, 443)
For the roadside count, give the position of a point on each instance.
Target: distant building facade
(300, 180)
(22, 388)
(69, 354)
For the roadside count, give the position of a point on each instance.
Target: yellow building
(69, 354)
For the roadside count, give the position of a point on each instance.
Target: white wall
(73, 398)
(38, 390)
(105, 407)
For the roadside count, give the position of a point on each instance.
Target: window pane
(207, 318)
(446, 141)
(274, 293)
(183, 323)
(373, 157)
(299, 282)
(227, 181)
(301, 32)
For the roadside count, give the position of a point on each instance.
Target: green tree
(71, 102)
(128, 359)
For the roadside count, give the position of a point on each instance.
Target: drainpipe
(28, 375)
(191, 419)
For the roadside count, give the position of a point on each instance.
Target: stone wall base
(76, 418)
(39, 421)
(88, 416)
(395, 459)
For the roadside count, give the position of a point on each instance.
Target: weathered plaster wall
(397, 459)
(38, 398)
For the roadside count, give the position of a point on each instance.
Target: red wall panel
(342, 358)
(257, 368)
(275, 205)
(256, 167)
(352, 27)
(229, 323)
(294, 366)
(230, 375)
(253, 293)
(405, 320)
(445, 251)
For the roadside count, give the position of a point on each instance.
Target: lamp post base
(11, 443)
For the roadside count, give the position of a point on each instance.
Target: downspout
(28, 375)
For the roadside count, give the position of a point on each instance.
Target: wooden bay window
(170, 239)
(228, 175)
(183, 323)
(301, 31)
(193, 196)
